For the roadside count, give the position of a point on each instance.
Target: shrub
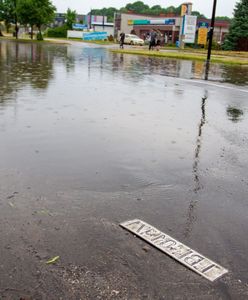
(111, 38)
(39, 36)
(60, 32)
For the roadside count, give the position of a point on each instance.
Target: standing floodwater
(90, 139)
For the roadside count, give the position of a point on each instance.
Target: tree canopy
(137, 6)
(8, 12)
(198, 14)
(1, 17)
(223, 18)
(70, 18)
(239, 26)
(108, 12)
(141, 8)
(27, 12)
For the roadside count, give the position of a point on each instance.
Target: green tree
(137, 7)
(140, 8)
(70, 18)
(156, 10)
(35, 13)
(239, 26)
(108, 12)
(223, 18)
(1, 16)
(27, 12)
(178, 10)
(198, 14)
(45, 14)
(170, 9)
(8, 14)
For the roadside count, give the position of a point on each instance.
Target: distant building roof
(168, 15)
(218, 23)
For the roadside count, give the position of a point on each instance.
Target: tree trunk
(32, 32)
(1, 34)
(39, 35)
(16, 30)
(7, 25)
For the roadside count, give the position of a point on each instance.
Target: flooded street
(90, 139)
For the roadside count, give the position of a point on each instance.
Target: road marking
(185, 255)
(211, 84)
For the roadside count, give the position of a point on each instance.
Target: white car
(133, 39)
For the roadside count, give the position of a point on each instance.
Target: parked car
(133, 39)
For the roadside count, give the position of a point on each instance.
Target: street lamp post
(90, 20)
(211, 32)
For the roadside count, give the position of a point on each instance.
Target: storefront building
(168, 26)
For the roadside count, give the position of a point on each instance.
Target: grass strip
(183, 55)
(241, 54)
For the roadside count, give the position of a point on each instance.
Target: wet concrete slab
(89, 139)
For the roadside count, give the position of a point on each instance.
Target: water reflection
(199, 144)
(139, 67)
(235, 75)
(136, 68)
(207, 67)
(97, 125)
(234, 114)
(28, 64)
(191, 213)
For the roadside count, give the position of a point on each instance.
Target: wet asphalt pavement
(90, 139)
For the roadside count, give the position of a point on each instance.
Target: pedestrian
(158, 44)
(122, 39)
(153, 36)
(165, 39)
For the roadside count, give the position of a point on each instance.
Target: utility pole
(211, 32)
(90, 18)
(103, 21)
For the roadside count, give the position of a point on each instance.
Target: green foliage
(58, 32)
(44, 12)
(185, 55)
(198, 14)
(27, 12)
(1, 16)
(70, 18)
(139, 7)
(108, 12)
(216, 46)
(1, 10)
(223, 18)
(8, 12)
(39, 36)
(239, 26)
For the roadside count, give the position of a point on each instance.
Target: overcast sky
(224, 7)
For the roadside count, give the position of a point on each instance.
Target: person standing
(165, 39)
(122, 39)
(153, 36)
(158, 44)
